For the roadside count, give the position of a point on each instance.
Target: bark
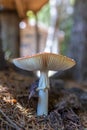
(78, 44)
(2, 59)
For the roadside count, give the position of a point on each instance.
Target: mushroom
(44, 62)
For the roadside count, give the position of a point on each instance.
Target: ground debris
(18, 113)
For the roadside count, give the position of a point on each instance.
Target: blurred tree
(78, 44)
(2, 59)
(3, 63)
(53, 28)
(64, 23)
(9, 22)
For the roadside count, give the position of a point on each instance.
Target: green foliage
(44, 15)
(30, 14)
(64, 22)
(66, 26)
(72, 2)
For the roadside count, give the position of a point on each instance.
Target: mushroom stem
(42, 108)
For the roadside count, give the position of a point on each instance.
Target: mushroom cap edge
(42, 61)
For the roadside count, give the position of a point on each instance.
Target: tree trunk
(10, 33)
(2, 59)
(78, 44)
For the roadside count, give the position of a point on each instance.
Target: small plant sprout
(44, 62)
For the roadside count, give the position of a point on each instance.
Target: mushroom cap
(44, 61)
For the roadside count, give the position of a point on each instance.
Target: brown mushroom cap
(44, 61)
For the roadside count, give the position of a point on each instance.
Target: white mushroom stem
(42, 108)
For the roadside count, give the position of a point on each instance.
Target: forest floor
(67, 104)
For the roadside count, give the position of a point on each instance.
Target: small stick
(9, 120)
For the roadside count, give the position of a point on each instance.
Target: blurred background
(28, 27)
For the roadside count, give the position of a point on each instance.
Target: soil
(67, 103)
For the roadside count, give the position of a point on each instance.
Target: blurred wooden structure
(28, 39)
(22, 6)
(10, 33)
(11, 13)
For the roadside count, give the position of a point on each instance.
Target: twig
(6, 122)
(9, 120)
